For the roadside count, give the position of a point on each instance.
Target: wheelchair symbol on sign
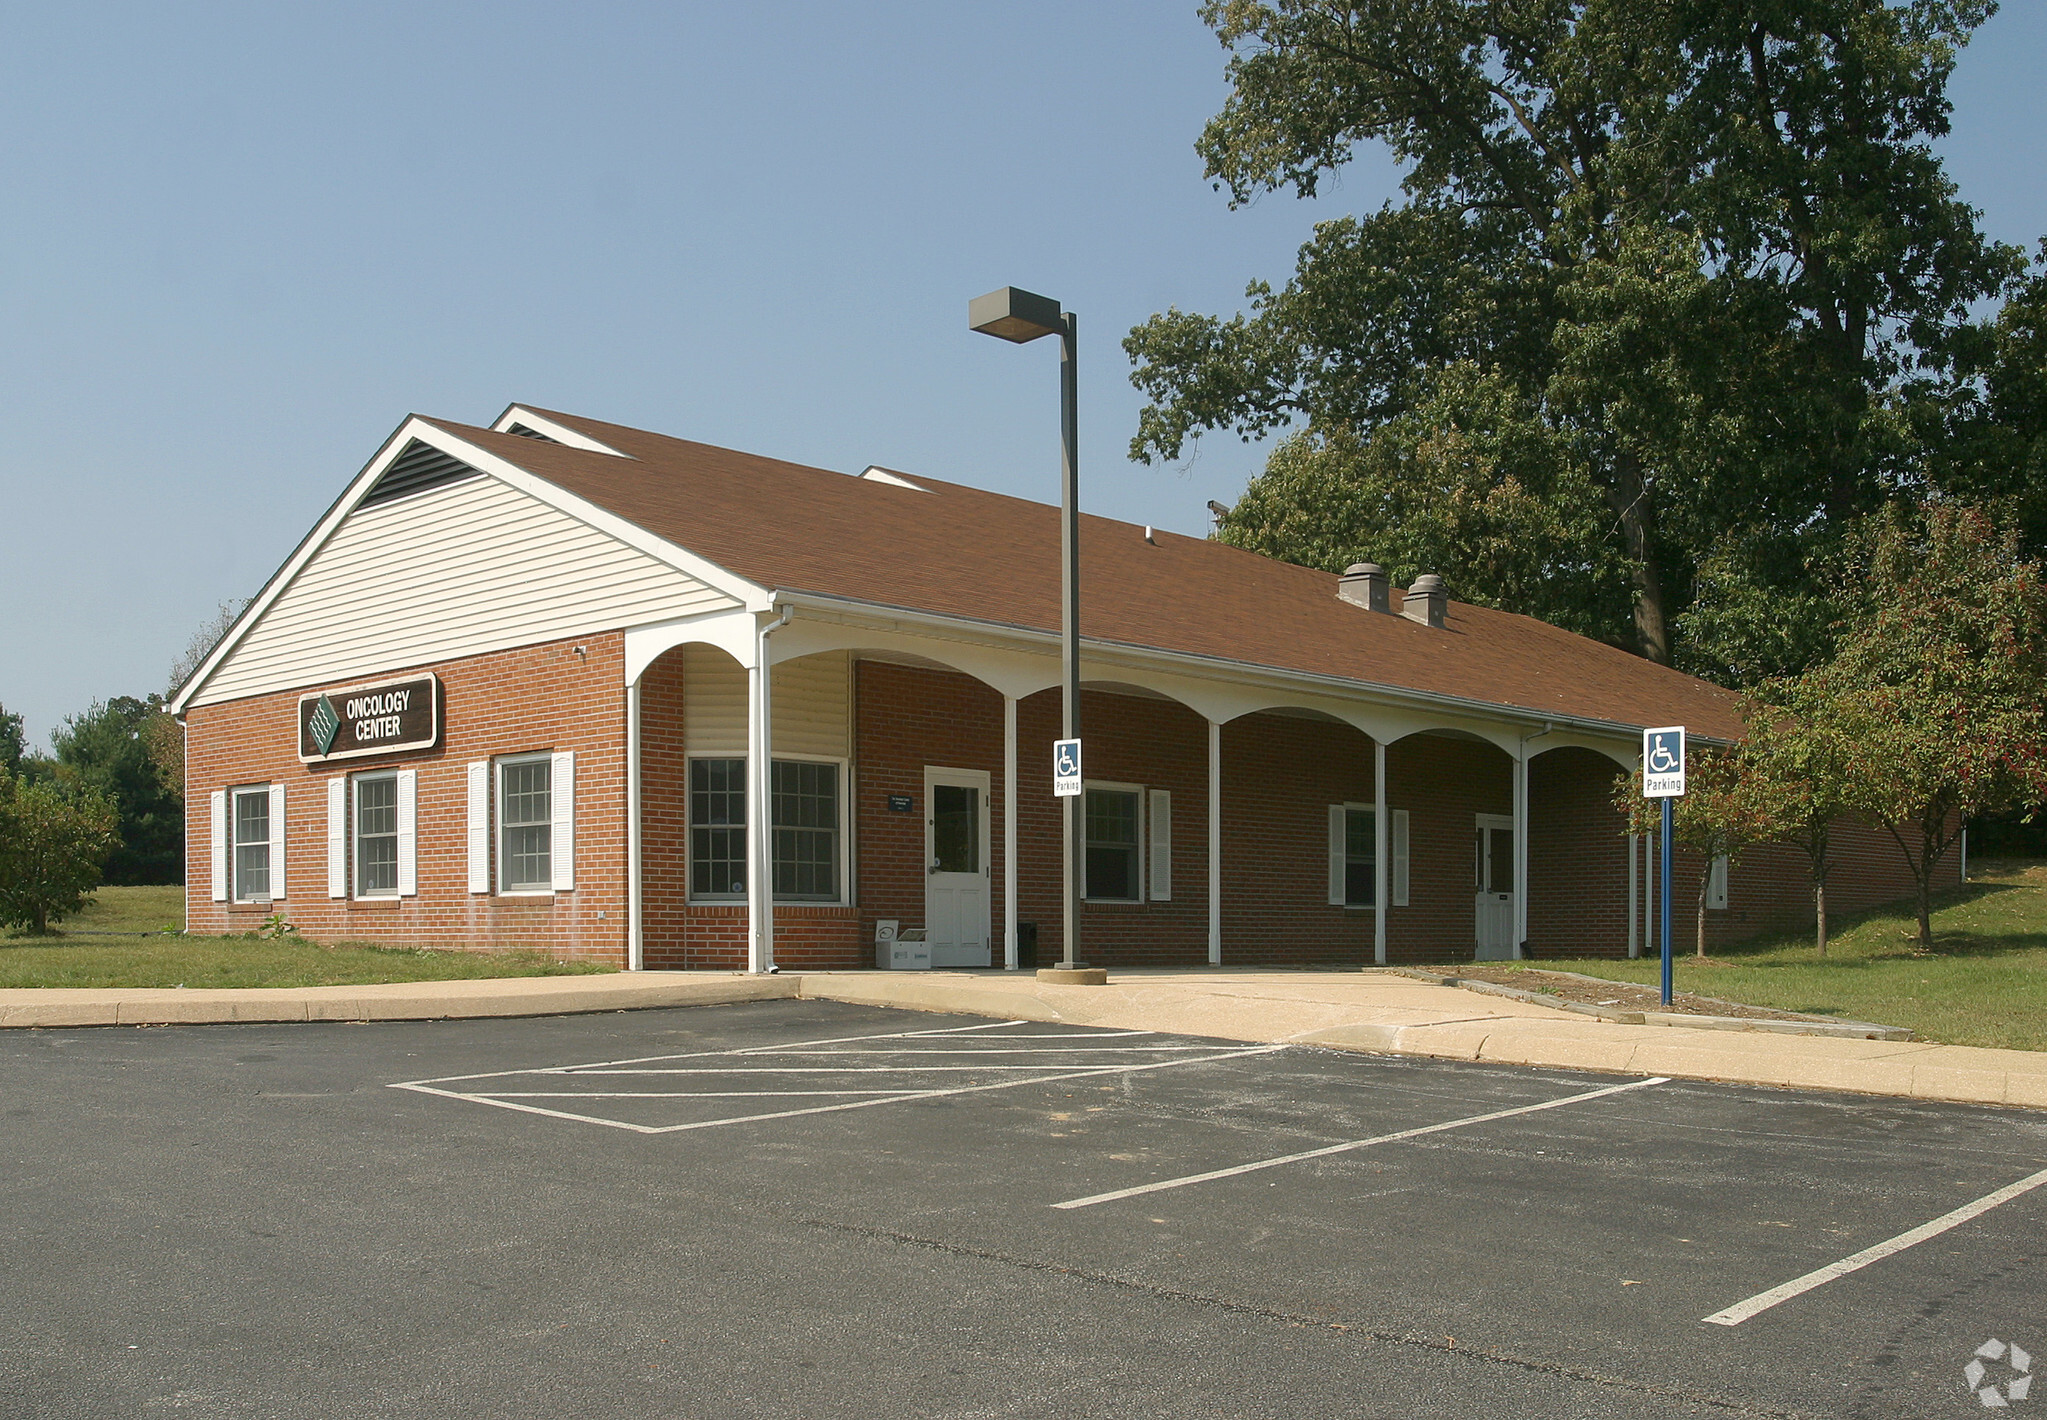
(1067, 763)
(1661, 760)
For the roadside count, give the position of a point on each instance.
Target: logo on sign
(1663, 762)
(324, 722)
(1066, 768)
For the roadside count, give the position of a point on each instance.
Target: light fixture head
(1014, 314)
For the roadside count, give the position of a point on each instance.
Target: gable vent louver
(418, 468)
(525, 433)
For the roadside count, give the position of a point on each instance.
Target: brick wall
(543, 697)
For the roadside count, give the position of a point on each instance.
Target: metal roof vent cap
(1426, 601)
(1364, 584)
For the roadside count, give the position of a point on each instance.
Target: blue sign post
(1663, 777)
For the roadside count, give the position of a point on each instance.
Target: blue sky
(239, 243)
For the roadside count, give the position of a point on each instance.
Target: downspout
(763, 847)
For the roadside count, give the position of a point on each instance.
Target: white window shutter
(217, 809)
(1716, 884)
(562, 850)
(1399, 857)
(408, 832)
(1161, 828)
(337, 836)
(277, 891)
(479, 826)
(1339, 875)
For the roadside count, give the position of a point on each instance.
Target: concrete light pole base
(1074, 976)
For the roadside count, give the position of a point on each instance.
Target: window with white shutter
(408, 832)
(337, 836)
(1400, 859)
(562, 849)
(250, 837)
(479, 826)
(277, 888)
(217, 813)
(1160, 884)
(1352, 845)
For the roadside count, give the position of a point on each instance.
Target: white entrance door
(1495, 907)
(956, 866)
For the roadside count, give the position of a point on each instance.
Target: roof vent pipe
(1364, 584)
(1426, 601)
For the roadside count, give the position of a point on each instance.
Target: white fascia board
(752, 597)
(553, 428)
(1210, 667)
(630, 533)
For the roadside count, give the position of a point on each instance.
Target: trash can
(1027, 946)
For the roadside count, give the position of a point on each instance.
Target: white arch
(1627, 759)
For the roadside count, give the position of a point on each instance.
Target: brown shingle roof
(960, 551)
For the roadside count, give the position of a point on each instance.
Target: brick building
(518, 687)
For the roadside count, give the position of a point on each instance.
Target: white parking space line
(502, 1100)
(892, 1067)
(1798, 1286)
(1328, 1149)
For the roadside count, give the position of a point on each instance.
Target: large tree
(105, 750)
(1700, 253)
(1937, 695)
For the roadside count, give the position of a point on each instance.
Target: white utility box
(900, 950)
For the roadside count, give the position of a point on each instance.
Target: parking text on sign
(1066, 768)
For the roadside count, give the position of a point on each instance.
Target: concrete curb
(1842, 1030)
(1379, 1012)
(386, 1001)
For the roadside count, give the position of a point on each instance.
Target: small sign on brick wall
(901, 804)
(370, 719)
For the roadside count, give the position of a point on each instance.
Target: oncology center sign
(370, 719)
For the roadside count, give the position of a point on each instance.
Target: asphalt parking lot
(808, 1209)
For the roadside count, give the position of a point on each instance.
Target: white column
(1382, 843)
(760, 878)
(635, 948)
(1215, 843)
(1520, 850)
(1009, 832)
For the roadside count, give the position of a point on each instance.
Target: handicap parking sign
(1663, 763)
(1066, 768)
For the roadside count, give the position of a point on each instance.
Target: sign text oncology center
(370, 719)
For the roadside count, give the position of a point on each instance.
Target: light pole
(1020, 316)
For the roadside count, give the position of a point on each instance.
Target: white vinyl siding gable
(811, 696)
(459, 570)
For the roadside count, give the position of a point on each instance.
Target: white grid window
(249, 818)
(1113, 840)
(376, 835)
(525, 824)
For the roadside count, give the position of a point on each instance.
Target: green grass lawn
(103, 946)
(1984, 984)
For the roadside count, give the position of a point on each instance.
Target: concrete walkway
(1354, 1010)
